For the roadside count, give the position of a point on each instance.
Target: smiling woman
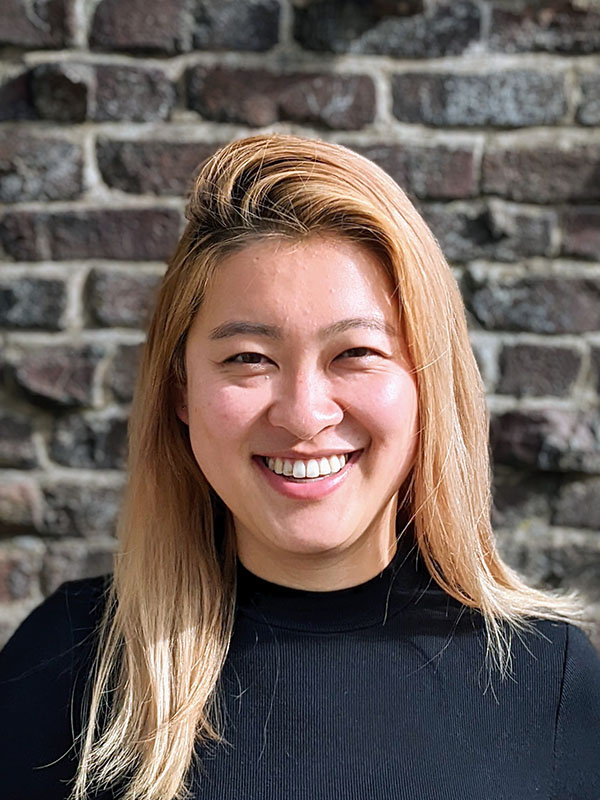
(307, 601)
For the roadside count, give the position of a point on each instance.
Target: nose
(302, 403)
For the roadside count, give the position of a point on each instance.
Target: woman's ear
(180, 399)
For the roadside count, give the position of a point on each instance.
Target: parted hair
(164, 636)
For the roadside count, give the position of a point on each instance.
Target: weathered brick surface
(382, 28)
(63, 92)
(522, 496)
(16, 441)
(121, 298)
(139, 25)
(582, 232)
(18, 507)
(122, 371)
(79, 509)
(430, 171)
(588, 111)
(258, 97)
(32, 303)
(557, 440)
(39, 24)
(235, 24)
(132, 93)
(538, 304)
(595, 359)
(132, 234)
(15, 97)
(511, 98)
(558, 27)
(38, 168)
(543, 174)
(527, 369)
(59, 375)
(20, 566)
(91, 442)
(504, 233)
(141, 167)
(578, 504)
(72, 559)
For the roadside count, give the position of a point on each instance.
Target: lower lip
(313, 489)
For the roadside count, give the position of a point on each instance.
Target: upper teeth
(313, 468)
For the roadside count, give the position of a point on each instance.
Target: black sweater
(379, 692)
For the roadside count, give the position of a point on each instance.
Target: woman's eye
(358, 352)
(245, 358)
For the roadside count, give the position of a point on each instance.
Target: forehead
(321, 277)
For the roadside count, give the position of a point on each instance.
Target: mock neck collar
(369, 603)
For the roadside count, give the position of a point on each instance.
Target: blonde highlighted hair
(170, 609)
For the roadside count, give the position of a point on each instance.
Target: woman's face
(294, 360)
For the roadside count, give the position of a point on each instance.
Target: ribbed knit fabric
(379, 691)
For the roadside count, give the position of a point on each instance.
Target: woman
(307, 600)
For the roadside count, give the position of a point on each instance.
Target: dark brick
(133, 234)
(402, 30)
(121, 298)
(78, 509)
(538, 370)
(122, 372)
(257, 97)
(139, 25)
(521, 497)
(538, 304)
(74, 559)
(236, 24)
(510, 98)
(15, 97)
(18, 508)
(32, 303)
(496, 231)
(59, 375)
(555, 27)
(431, 171)
(578, 504)
(164, 168)
(39, 24)
(16, 441)
(19, 571)
(588, 111)
(92, 442)
(595, 356)
(554, 440)
(38, 168)
(132, 93)
(582, 232)
(542, 173)
(63, 92)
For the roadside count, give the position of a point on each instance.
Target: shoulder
(61, 625)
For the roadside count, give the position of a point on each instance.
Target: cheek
(223, 414)
(389, 408)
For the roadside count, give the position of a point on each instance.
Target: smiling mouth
(308, 470)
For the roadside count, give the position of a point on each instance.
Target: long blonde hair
(170, 609)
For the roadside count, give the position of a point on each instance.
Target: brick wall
(488, 113)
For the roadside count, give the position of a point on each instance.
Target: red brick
(257, 97)
(140, 94)
(157, 167)
(19, 571)
(538, 370)
(93, 441)
(80, 509)
(15, 97)
(139, 25)
(32, 303)
(248, 25)
(121, 298)
(555, 27)
(541, 173)
(582, 232)
(59, 375)
(122, 371)
(17, 450)
(34, 25)
(132, 234)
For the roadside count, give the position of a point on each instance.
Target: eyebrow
(243, 327)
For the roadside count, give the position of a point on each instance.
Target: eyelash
(232, 359)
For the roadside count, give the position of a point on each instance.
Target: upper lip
(293, 456)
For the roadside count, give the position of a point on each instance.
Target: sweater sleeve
(577, 743)
(43, 669)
